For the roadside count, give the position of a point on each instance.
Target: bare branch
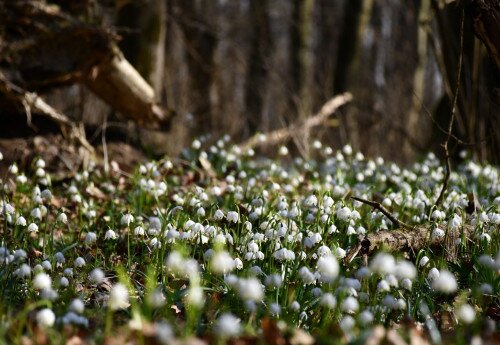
(384, 211)
(283, 134)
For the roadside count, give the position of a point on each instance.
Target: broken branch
(283, 134)
(384, 211)
(400, 240)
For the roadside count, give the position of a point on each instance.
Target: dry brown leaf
(376, 336)
(417, 337)
(207, 166)
(394, 338)
(75, 340)
(272, 334)
(301, 337)
(95, 192)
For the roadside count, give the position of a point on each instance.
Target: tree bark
(410, 241)
(200, 43)
(260, 47)
(486, 21)
(46, 48)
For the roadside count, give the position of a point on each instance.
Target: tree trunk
(200, 43)
(260, 47)
(301, 64)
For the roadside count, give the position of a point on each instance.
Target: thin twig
(440, 198)
(384, 211)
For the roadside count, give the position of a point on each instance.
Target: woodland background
(241, 66)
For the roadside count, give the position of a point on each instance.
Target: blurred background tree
(240, 66)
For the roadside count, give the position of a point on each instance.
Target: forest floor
(222, 245)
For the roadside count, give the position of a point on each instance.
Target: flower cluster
(247, 239)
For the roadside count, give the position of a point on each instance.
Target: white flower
(36, 213)
(118, 297)
(485, 237)
(405, 269)
(307, 276)
(222, 263)
(228, 325)
(196, 144)
(77, 306)
(328, 300)
(383, 264)
(42, 281)
(445, 283)
(347, 323)
(139, 231)
(63, 218)
(156, 299)
(79, 262)
(274, 281)
(383, 285)
(110, 235)
(90, 237)
(164, 333)
(63, 282)
(433, 274)
(344, 214)
(45, 318)
(466, 313)
(366, 317)
(32, 227)
(275, 309)
(218, 215)
(455, 222)
(22, 179)
(21, 221)
(238, 263)
(195, 296)
(423, 261)
(295, 306)
(311, 200)
(127, 219)
(437, 233)
(24, 271)
(406, 284)
(328, 268)
(47, 265)
(284, 255)
(283, 151)
(232, 216)
(438, 215)
(250, 289)
(96, 276)
(347, 150)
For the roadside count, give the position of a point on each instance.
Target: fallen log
(411, 241)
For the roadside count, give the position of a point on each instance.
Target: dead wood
(43, 47)
(119, 84)
(300, 127)
(486, 23)
(30, 102)
(384, 211)
(411, 241)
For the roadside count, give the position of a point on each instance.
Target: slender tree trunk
(419, 75)
(301, 64)
(260, 46)
(200, 43)
(347, 70)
